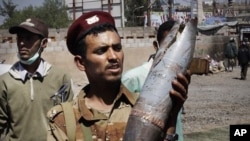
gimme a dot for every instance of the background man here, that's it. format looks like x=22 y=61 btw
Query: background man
x=230 y=53
x=134 y=79
x=243 y=58
x=27 y=90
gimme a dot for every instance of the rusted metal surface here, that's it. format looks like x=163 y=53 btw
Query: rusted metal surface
x=148 y=118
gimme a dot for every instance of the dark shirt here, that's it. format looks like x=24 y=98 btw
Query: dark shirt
x=243 y=54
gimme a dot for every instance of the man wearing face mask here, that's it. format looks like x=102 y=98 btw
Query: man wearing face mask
x=31 y=87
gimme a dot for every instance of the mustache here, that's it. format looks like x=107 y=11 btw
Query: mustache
x=113 y=64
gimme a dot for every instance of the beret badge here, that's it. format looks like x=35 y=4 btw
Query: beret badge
x=92 y=19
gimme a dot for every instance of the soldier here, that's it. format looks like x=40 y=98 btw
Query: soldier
x=102 y=108
x=29 y=89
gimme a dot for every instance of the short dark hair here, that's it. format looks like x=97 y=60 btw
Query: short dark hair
x=166 y=26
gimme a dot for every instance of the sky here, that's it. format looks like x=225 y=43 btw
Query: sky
x=24 y=3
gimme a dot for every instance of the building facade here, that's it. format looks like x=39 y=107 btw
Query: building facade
x=115 y=7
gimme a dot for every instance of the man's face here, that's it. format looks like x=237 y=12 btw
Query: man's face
x=28 y=44
x=104 y=57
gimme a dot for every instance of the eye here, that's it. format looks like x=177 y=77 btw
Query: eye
x=25 y=37
x=19 y=37
x=101 y=50
x=117 y=47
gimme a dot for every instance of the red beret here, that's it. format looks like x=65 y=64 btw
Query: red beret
x=85 y=23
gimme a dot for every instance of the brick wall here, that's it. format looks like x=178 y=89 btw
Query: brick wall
x=130 y=37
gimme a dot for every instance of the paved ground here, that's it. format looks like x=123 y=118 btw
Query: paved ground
x=216 y=101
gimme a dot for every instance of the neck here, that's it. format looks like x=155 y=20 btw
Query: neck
x=102 y=96
x=33 y=67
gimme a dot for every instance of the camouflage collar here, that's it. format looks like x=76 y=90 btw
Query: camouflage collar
x=124 y=96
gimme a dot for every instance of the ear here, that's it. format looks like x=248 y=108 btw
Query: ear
x=44 y=42
x=156 y=45
x=79 y=63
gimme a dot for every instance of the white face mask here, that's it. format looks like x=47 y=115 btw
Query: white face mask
x=32 y=59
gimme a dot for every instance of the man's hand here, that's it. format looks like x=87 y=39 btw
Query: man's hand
x=178 y=95
x=180 y=91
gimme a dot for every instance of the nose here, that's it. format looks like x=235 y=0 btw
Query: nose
x=112 y=55
x=21 y=43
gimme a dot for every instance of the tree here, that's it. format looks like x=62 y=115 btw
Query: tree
x=8 y=8
x=52 y=12
x=130 y=7
x=19 y=16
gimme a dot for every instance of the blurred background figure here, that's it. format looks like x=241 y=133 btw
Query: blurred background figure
x=230 y=53
x=243 y=58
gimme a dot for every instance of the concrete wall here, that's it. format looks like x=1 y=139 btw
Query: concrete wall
x=133 y=37
x=133 y=57
x=212 y=45
x=130 y=37
x=137 y=46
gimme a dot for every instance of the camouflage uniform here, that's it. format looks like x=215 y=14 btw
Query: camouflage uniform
x=102 y=126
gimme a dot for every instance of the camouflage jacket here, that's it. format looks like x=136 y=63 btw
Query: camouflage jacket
x=91 y=124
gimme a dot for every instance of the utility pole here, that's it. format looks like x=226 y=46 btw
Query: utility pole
x=215 y=11
x=231 y=7
x=82 y=7
x=109 y=6
x=148 y=13
x=170 y=7
x=74 y=10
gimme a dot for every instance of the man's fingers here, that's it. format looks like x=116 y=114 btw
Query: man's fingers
x=178 y=97
x=179 y=88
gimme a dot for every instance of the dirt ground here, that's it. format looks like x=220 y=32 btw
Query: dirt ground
x=217 y=100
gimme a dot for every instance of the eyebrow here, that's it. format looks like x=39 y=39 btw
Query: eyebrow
x=112 y=45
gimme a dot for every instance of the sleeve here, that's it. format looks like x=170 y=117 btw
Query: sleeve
x=131 y=83
x=55 y=133
x=248 y=53
x=56 y=120
x=235 y=50
x=69 y=94
x=3 y=111
x=225 y=49
x=238 y=56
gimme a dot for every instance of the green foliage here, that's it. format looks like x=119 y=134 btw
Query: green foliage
x=157 y=6
x=19 y=16
x=130 y=6
x=131 y=10
x=52 y=12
